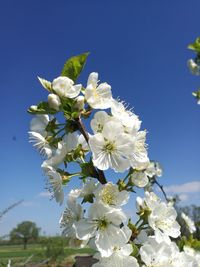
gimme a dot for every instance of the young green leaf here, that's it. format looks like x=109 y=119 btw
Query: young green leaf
x=74 y=66
x=195 y=46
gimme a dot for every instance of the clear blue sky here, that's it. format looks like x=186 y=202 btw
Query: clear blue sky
x=139 y=47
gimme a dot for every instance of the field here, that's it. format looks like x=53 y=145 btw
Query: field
x=34 y=255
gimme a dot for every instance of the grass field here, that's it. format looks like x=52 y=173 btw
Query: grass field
x=19 y=256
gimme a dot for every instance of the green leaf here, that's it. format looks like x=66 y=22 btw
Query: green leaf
x=195 y=46
x=46 y=84
x=42 y=108
x=74 y=66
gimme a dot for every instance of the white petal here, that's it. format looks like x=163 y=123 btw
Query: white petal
x=93 y=79
x=84 y=229
x=73 y=91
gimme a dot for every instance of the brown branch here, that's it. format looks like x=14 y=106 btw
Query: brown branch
x=101 y=177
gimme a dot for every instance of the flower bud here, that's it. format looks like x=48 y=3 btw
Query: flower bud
x=54 y=101
x=139 y=203
x=33 y=107
x=194 y=67
x=80 y=102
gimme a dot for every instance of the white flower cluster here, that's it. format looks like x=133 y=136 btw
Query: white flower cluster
x=194 y=67
x=116 y=143
x=164 y=254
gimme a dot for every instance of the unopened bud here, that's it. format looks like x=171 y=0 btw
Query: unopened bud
x=33 y=107
x=139 y=203
x=54 y=101
x=80 y=102
x=194 y=67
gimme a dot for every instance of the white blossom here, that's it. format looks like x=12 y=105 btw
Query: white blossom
x=55 y=184
x=109 y=194
x=184 y=260
x=88 y=188
x=194 y=67
x=39 y=123
x=154 y=169
x=155 y=254
x=103 y=224
x=98 y=96
x=149 y=201
x=72 y=213
x=119 y=258
x=194 y=254
x=162 y=217
x=139 y=157
x=64 y=87
x=189 y=223
x=163 y=220
x=129 y=120
x=40 y=142
x=139 y=178
x=69 y=143
x=99 y=120
x=111 y=148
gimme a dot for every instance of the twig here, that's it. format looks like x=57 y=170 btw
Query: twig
x=161 y=188
x=2 y=213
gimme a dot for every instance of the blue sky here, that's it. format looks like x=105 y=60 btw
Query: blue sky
x=139 y=47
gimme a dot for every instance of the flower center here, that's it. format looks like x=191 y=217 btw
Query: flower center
x=109 y=147
x=109 y=194
x=102 y=224
x=162 y=224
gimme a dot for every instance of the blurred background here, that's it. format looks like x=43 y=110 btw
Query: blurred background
x=139 y=47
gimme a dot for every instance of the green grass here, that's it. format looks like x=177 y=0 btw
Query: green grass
x=18 y=255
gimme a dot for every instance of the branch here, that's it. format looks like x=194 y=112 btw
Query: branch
x=161 y=188
x=2 y=213
x=82 y=129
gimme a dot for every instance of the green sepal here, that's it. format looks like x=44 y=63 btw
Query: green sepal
x=135 y=251
x=42 y=108
x=196 y=94
x=74 y=66
x=52 y=126
x=88 y=170
x=88 y=198
x=75 y=154
x=68 y=108
x=54 y=141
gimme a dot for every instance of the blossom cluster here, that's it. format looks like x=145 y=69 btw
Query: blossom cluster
x=194 y=65
x=94 y=214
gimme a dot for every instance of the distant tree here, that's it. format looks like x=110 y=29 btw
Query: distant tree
x=25 y=231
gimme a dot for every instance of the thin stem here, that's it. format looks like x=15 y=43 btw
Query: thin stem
x=126 y=177
x=101 y=176
x=161 y=188
x=59 y=131
x=75 y=174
